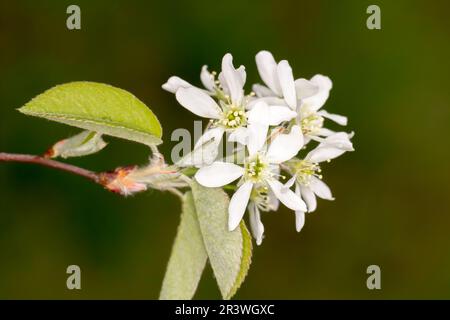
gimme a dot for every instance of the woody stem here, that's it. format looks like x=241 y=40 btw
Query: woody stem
x=33 y=159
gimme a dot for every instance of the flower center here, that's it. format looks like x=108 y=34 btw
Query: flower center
x=311 y=123
x=255 y=169
x=304 y=170
x=233 y=118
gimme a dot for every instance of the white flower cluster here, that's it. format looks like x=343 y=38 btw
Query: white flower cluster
x=269 y=126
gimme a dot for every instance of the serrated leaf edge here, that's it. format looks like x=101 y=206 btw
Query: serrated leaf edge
x=246 y=260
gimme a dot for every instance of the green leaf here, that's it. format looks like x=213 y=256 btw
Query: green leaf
x=188 y=257
x=82 y=144
x=98 y=107
x=229 y=252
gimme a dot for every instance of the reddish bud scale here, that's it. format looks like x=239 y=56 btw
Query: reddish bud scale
x=118 y=181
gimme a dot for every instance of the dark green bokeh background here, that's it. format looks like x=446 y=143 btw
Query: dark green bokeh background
x=392 y=206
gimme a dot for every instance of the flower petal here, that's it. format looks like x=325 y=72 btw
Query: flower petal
x=325 y=132
x=334 y=117
x=271 y=101
x=207 y=79
x=198 y=102
x=242 y=73
x=259 y=113
x=262 y=91
x=309 y=197
x=223 y=83
x=218 y=174
x=255 y=223
x=205 y=150
x=174 y=83
x=305 y=88
x=238 y=204
x=322 y=81
x=278 y=114
x=285 y=146
x=286 y=79
x=239 y=135
x=213 y=133
x=299 y=214
x=320 y=189
x=233 y=79
x=286 y=196
x=318 y=100
x=324 y=153
x=299 y=220
x=273 y=202
x=290 y=182
x=340 y=140
x=267 y=68
x=257 y=135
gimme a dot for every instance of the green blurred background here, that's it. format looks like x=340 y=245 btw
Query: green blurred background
x=392 y=203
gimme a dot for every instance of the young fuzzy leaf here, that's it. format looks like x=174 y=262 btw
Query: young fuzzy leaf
x=188 y=257
x=82 y=144
x=97 y=107
x=229 y=252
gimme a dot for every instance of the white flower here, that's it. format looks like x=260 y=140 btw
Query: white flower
x=308 y=184
x=282 y=102
x=228 y=114
x=310 y=115
x=260 y=169
x=306 y=97
x=306 y=173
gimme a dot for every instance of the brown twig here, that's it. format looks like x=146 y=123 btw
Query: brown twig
x=119 y=181
x=26 y=158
